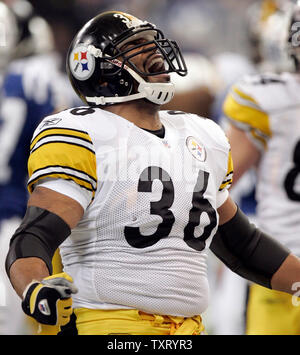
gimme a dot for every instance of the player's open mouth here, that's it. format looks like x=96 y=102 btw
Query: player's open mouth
x=155 y=64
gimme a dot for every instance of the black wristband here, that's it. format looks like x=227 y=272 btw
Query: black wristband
x=39 y=235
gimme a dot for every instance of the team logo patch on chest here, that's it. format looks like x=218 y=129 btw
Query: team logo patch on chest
x=82 y=63
x=196 y=149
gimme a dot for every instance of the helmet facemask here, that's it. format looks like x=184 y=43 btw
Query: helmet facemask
x=156 y=42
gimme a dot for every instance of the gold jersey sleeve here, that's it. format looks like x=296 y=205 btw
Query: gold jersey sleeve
x=63 y=153
x=245 y=112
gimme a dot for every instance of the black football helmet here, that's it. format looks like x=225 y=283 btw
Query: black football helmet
x=102 y=73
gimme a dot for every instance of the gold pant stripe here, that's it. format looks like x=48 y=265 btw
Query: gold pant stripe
x=134 y=322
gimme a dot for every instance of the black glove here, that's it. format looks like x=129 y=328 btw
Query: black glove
x=49 y=301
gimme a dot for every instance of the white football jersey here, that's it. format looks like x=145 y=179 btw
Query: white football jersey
x=267 y=107
x=150 y=205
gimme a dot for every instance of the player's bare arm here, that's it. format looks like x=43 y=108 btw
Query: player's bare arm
x=24 y=270
x=65 y=207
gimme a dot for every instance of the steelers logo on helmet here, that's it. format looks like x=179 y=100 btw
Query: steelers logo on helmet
x=81 y=62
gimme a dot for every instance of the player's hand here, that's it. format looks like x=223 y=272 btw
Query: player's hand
x=49 y=301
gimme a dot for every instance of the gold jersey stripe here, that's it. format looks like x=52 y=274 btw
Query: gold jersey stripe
x=228 y=179
x=68 y=156
x=61 y=141
x=58 y=153
x=61 y=132
x=226 y=184
x=268 y=8
x=229 y=164
x=243 y=95
x=65 y=169
x=259 y=138
x=84 y=184
x=250 y=116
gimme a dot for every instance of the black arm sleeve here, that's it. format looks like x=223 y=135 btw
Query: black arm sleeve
x=39 y=235
x=248 y=251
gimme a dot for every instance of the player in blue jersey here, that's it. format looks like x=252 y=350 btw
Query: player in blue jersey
x=32 y=88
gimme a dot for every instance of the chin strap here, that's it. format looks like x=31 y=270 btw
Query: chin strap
x=103 y=100
x=158 y=93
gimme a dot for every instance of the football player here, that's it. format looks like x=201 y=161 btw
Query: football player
x=32 y=88
x=264 y=133
x=133 y=196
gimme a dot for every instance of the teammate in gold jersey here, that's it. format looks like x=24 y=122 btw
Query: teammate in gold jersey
x=264 y=133
x=133 y=196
